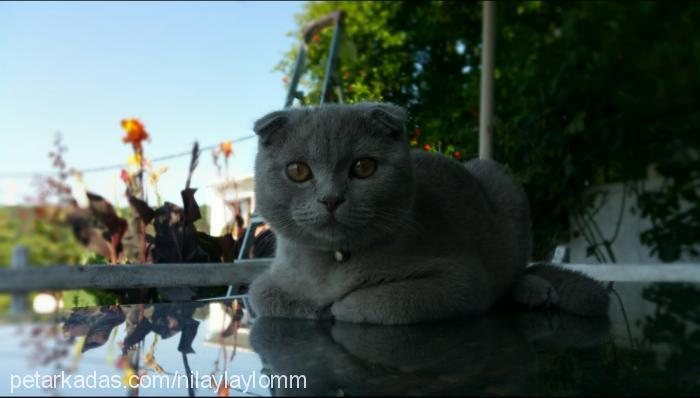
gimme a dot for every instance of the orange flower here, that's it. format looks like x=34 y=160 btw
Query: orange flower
x=223 y=390
x=226 y=148
x=285 y=80
x=150 y=361
x=316 y=38
x=427 y=147
x=135 y=132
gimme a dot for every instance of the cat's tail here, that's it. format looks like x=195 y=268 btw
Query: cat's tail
x=546 y=285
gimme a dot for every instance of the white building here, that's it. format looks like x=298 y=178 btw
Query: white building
x=223 y=196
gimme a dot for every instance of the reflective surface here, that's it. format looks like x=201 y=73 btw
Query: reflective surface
x=648 y=346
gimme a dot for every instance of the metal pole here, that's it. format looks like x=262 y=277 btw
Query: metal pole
x=295 y=77
x=20 y=261
x=329 y=77
x=488 y=43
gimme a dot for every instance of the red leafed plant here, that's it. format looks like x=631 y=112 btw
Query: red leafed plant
x=174 y=238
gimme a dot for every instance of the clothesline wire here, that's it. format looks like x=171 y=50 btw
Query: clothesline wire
x=97 y=169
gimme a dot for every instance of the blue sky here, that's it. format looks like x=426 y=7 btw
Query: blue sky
x=190 y=71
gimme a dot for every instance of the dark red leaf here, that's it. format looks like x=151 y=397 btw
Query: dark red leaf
x=145 y=212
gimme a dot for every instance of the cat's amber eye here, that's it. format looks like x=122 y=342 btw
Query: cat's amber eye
x=298 y=171
x=363 y=168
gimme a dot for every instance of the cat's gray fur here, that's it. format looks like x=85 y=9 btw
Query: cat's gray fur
x=427 y=237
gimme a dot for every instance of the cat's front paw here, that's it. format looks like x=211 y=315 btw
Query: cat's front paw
x=354 y=308
x=269 y=300
x=533 y=291
x=347 y=311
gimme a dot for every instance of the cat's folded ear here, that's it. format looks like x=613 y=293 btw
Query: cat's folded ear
x=269 y=125
x=389 y=117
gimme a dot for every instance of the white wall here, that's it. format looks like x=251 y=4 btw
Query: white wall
x=628 y=250
x=627 y=247
x=221 y=214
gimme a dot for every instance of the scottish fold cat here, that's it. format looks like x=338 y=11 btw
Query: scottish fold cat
x=370 y=231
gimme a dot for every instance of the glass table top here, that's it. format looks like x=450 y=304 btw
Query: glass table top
x=649 y=345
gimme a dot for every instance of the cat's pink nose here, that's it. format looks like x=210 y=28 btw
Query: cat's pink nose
x=332 y=202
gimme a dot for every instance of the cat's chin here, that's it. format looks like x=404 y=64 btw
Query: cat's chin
x=332 y=234
x=332 y=238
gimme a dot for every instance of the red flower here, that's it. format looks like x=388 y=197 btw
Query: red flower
x=416 y=132
x=124 y=176
x=458 y=155
x=346 y=75
x=120 y=362
x=427 y=147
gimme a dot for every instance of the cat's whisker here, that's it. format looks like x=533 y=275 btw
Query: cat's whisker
x=392 y=221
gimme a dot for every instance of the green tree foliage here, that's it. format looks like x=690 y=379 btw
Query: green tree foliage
x=40 y=229
x=586 y=93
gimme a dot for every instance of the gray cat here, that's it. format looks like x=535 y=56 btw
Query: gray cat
x=371 y=231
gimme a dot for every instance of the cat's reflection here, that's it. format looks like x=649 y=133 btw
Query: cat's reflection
x=490 y=355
